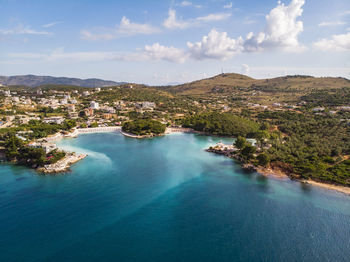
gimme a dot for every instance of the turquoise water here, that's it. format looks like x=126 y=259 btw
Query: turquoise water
x=165 y=199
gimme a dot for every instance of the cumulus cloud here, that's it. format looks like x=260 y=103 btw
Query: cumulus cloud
x=245 y=69
x=124 y=28
x=160 y=52
x=129 y=28
x=217 y=45
x=335 y=43
x=172 y=22
x=281 y=31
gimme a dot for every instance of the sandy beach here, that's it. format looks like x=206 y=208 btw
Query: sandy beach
x=281 y=175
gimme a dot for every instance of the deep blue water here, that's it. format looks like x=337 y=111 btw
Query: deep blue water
x=165 y=199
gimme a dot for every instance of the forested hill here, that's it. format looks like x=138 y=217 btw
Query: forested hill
x=228 y=83
x=34 y=81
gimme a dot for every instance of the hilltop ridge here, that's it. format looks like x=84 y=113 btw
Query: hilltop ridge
x=34 y=81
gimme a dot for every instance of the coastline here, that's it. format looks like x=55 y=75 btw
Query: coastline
x=71 y=158
x=63 y=164
x=280 y=174
x=131 y=135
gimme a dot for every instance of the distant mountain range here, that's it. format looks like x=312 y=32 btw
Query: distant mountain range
x=34 y=81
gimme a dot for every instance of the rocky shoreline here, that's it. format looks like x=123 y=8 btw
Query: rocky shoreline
x=62 y=165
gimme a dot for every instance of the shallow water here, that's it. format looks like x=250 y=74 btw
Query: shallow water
x=165 y=199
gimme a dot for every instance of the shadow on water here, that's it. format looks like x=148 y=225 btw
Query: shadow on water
x=305 y=188
x=263 y=183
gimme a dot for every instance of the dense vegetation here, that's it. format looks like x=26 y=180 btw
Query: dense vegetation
x=144 y=127
x=222 y=124
x=312 y=146
x=333 y=97
x=16 y=150
x=37 y=129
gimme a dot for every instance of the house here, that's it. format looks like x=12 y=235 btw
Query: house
x=88 y=111
x=94 y=105
x=53 y=120
x=145 y=105
x=318 y=109
x=71 y=108
x=48 y=147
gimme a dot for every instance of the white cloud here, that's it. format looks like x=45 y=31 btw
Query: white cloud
x=345 y=13
x=334 y=23
x=281 y=31
x=228 y=5
x=172 y=22
x=159 y=52
x=216 y=45
x=128 y=28
x=59 y=54
x=155 y=52
x=336 y=43
x=23 y=30
x=52 y=24
x=188 y=3
x=125 y=28
x=213 y=17
x=245 y=69
x=101 y=35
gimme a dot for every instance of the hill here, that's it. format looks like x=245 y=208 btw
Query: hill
x=34 y=81
x=229 y=83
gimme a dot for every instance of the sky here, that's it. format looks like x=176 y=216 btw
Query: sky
x=166 y=42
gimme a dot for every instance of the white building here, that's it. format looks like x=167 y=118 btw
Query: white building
x=94 y=105
x=318 y=109
x=146 y=105
x=71 y=108
x=54 y=120
x=48 y=147
x=86 y=93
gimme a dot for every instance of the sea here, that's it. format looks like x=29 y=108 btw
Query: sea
x=165 y=199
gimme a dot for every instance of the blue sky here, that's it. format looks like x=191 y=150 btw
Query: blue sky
x=160 y=42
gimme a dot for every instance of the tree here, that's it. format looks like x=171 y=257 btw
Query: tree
x=240 y=142
x=12 y=146
x=248 y=151
x=263 y=159
x=69 y=124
